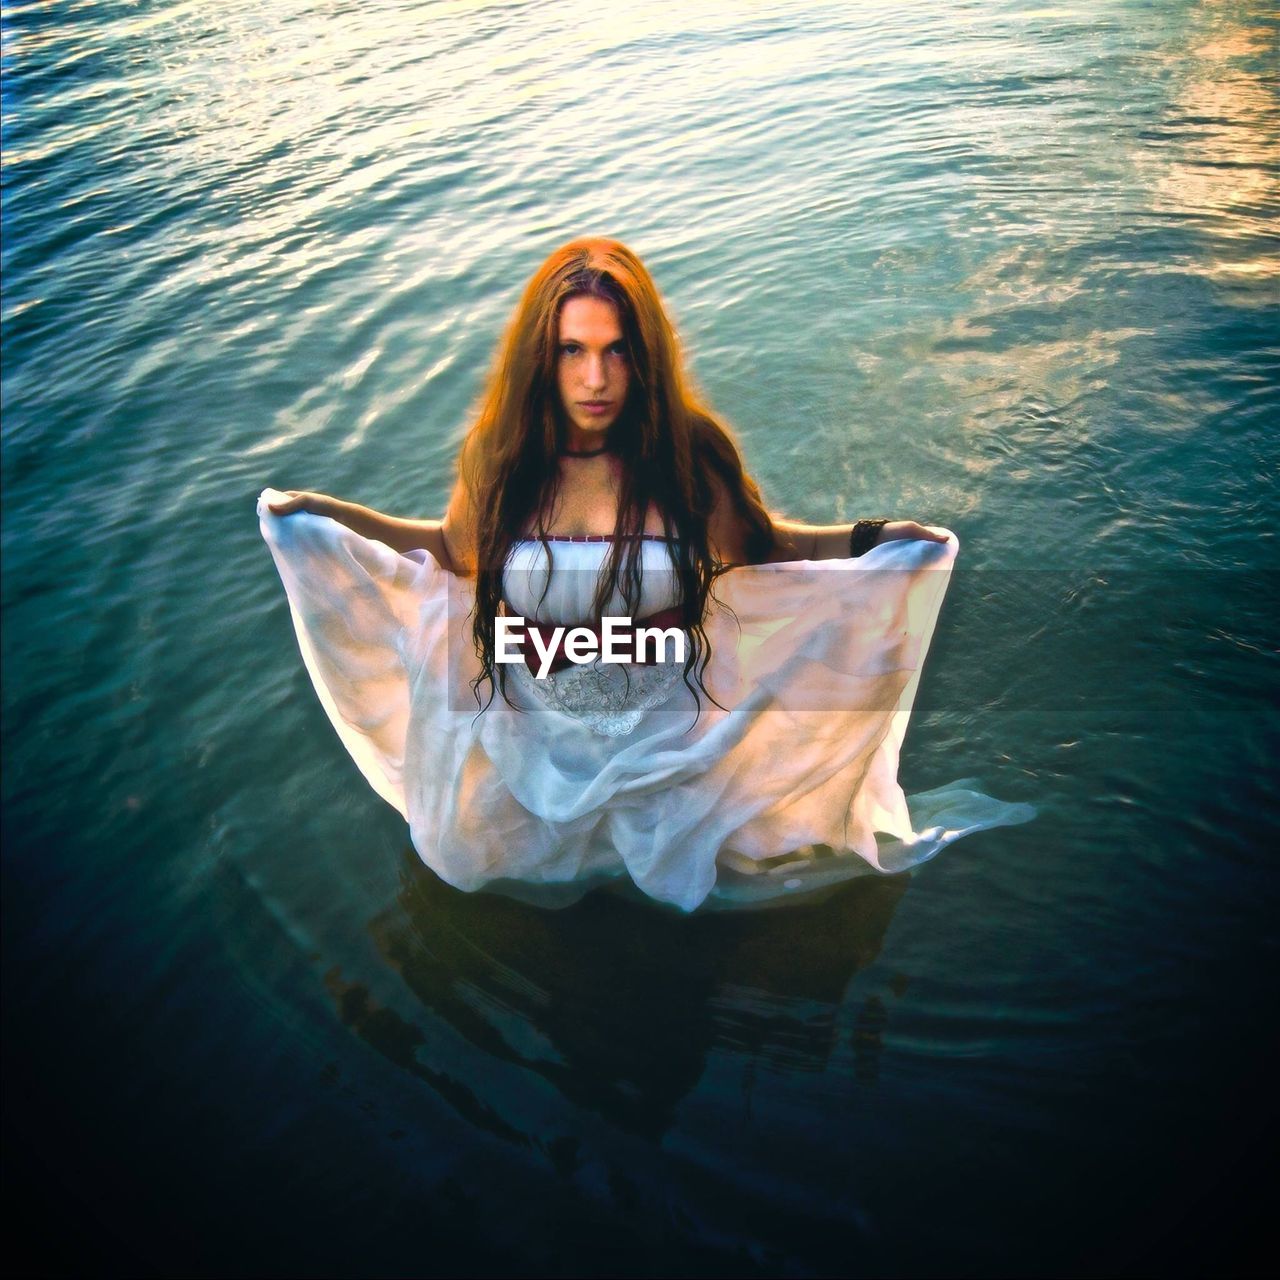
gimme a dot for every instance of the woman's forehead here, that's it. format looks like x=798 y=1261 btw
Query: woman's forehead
x=586 y=315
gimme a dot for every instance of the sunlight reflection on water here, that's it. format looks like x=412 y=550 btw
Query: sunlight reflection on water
x=1009 y=270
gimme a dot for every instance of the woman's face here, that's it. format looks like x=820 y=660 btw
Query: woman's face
x=592 y=369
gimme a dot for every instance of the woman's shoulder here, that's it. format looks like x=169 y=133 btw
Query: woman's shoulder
x=713 y=445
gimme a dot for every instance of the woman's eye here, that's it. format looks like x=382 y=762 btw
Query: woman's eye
x=576 y=349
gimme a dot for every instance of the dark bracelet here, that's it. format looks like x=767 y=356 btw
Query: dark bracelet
x=863 y=535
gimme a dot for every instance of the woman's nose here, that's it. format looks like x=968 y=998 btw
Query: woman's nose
x=593 y=374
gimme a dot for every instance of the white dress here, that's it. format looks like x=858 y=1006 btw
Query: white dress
x=616 y=773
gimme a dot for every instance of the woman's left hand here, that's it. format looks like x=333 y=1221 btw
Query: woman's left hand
x=897 y=530
x=292 y=500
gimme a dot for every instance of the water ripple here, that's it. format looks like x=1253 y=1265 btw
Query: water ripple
x=1012 y=271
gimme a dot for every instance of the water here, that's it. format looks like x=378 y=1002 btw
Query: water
x=1006 y=268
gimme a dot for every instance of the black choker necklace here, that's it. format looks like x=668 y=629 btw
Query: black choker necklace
x=584 y=453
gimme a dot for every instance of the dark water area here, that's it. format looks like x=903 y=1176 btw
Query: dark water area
x=1010 y=269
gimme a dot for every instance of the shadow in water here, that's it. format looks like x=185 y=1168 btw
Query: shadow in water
x=616 y=1002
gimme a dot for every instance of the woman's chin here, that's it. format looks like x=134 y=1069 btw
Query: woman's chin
x=589 y=435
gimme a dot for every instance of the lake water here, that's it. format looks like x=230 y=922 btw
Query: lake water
x=1007 y=268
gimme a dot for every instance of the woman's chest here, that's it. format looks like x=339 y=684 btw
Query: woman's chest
x=587 y=503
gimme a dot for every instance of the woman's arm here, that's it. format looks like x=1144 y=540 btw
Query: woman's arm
x=399 y=534
x=836 y=542
x=797 y=541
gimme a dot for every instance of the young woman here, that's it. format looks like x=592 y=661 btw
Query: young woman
x=593 y=484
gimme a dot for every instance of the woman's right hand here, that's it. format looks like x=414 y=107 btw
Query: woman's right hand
x=302 y=500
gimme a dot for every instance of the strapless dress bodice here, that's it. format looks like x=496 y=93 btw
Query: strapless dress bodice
x=557 y=583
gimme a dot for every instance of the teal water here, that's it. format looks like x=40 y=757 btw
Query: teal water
x=1007 y=268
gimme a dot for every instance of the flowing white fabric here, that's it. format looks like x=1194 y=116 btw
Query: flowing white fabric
x=787 y=787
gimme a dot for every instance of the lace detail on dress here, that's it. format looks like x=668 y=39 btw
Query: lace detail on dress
x=610 y=698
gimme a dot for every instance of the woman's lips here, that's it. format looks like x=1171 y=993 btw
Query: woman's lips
x=596 y=406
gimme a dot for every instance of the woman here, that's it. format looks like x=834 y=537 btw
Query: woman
x=594 y=484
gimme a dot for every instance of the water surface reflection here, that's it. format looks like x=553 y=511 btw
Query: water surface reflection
x=615 y=1003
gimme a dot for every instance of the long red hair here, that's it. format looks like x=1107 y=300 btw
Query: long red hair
x=669 y=444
